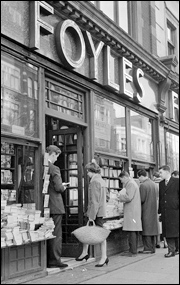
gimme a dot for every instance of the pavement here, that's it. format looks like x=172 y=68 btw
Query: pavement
x=121 y=269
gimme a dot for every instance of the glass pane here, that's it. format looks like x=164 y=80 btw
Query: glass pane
x=17 y=173
x=175 y=99
x=109 y=122
x=8 y=191
x=107 y=7
x=141 y=137
x=64 y=100
x=19 y=97
x=26 y=171
x=172 y=151
x=123 y=15
x=169 y=33
x=170 y=49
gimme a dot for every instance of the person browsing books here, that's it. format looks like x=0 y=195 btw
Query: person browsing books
x=56 y=205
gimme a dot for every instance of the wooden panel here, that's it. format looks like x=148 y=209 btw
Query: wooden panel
x=2 y=265
x=23 y=263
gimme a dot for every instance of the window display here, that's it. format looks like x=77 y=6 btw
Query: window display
x=110 y=170
x=109 y=127
x=17 y=173
x=8 y=193
x=141 y=137
x=19 y=97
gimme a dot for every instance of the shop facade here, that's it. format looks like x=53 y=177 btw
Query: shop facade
x=71 y=79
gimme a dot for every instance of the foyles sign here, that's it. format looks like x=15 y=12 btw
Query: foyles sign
x=68 y=33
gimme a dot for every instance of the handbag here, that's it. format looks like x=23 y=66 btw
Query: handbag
x=91 y=234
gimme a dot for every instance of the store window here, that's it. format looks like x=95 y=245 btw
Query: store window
x=18 y=97
x=30 y=87
x=141 y=137
x=64 y=99
x=172 y=143
x=17 y=173
x=109 y=127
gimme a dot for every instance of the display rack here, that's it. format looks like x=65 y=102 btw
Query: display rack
x=8 y=173
x=110 y=170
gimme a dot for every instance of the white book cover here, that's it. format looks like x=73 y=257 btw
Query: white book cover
x=46 y=201
x=45 y=186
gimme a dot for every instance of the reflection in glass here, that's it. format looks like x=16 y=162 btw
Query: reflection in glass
x=59 y=98
x=109 y=122
x=172 y=142
x=141 y=137
x=19 y=97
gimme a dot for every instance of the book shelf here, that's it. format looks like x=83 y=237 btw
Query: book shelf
x=8 y=173
x=110 y=170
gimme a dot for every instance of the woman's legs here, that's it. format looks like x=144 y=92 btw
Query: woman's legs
x=103 y=246
x=85 y=250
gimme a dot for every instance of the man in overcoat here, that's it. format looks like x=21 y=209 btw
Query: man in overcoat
x=132 y=211
x=169 y=208
x=149 y=212
x=56 y=205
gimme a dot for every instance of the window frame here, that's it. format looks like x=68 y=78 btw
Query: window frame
x=116 y=14
x=171 y=43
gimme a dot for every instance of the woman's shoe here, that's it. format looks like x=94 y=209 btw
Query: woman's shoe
x=106 y=262
x=80 y=259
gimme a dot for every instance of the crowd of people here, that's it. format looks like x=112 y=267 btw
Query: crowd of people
x=151 y=209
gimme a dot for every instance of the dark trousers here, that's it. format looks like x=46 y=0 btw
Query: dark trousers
x=133 y=241
x=149 y=243
x=177 y=244
x=173 y=244
x=54 y=246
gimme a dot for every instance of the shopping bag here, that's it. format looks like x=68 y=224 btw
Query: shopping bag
x=91 y=234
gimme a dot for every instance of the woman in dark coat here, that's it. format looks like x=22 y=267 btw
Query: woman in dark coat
x=169 y=208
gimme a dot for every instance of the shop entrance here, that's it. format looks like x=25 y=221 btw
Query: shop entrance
x=69 y=139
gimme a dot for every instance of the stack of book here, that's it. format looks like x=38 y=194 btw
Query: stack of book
x=7 y=235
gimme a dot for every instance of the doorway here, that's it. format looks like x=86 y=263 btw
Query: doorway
x=69 y=138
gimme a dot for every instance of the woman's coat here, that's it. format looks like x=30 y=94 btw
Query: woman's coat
x=96 y=197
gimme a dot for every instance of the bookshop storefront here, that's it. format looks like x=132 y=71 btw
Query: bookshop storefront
x=62 y=86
